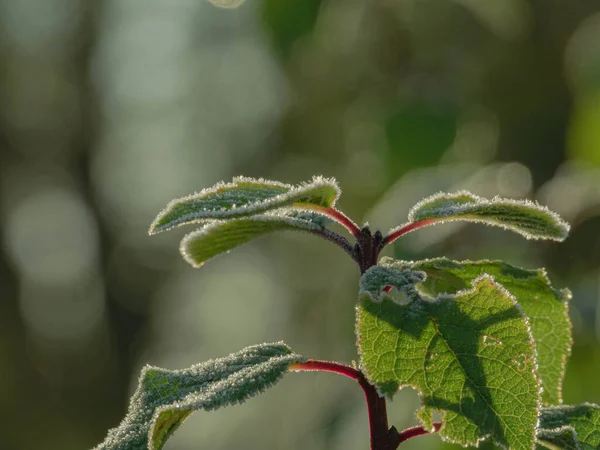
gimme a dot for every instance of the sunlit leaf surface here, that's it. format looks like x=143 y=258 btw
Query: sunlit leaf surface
x=470 y=355
x=545 y=307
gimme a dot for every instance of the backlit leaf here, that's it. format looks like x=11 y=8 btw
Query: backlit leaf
x=245 y=197
x=570 y=427
x=522 y=216
x=470 y=355
x=165 y=398
x=221 y=236
x=545 y=306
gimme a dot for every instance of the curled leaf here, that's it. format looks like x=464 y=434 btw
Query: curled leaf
x=376 y=282
x=245 y=197
x=165 y=398
x=221 y=236
x=521 y=216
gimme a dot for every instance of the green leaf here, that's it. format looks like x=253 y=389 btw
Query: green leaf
x=470 y=355
x=401 y=279
x=524 y=217
x=221 y=236
x=570 y=427
x=165 y=398
x=245 y=197
x=546 y=307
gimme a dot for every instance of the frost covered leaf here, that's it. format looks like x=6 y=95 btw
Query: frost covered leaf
x=545 y=306
x=402 y=280
x=570 y=427
x=470 y=355
x=524 y=217
x=165 y=398
x=245 y=197
x=221 y=236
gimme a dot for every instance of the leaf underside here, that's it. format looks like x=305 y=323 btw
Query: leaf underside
x=221 y=236
x=524 y=217
x=545 y=307
x=470 y=355
x=245 y=197
x=165 y=398
x=570 y=427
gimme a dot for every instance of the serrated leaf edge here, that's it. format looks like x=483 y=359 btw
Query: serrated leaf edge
x=564 y=293
x=249 y=210
x=441 y=297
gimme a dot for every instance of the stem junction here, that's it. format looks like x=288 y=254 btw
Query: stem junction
x=365 y=252
x=382 y=437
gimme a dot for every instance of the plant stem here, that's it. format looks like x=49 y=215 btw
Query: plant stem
x=407 y=229
x=338 y=240
x=381 y=435
x=367 y=248
x=366 y=252
x=339 y=217
x=416 y=431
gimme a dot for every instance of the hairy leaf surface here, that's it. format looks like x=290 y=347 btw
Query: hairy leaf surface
x=245 y=197
x=545 y=306
x=221 y=236
x=524 y=217
x=401 y=279
x=165 y=398
x=570 y=427
x=470 y=355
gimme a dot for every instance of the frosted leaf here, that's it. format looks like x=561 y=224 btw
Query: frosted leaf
x=221 y=236
x=570 y=427
x=522 y=216
x=310 y=216
x=438 y=347
x=374 y=281
x=245 y=197
x=546 y=308
x=165 y=398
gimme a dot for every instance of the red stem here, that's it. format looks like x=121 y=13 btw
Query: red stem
x=407 y=229
x=416 y=431
x=339 y=217
x=381 y=435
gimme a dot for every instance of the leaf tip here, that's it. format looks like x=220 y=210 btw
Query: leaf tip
x=153 y=230
x=186 y=251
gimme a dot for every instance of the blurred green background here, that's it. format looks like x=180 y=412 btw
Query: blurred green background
x=109 y=109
